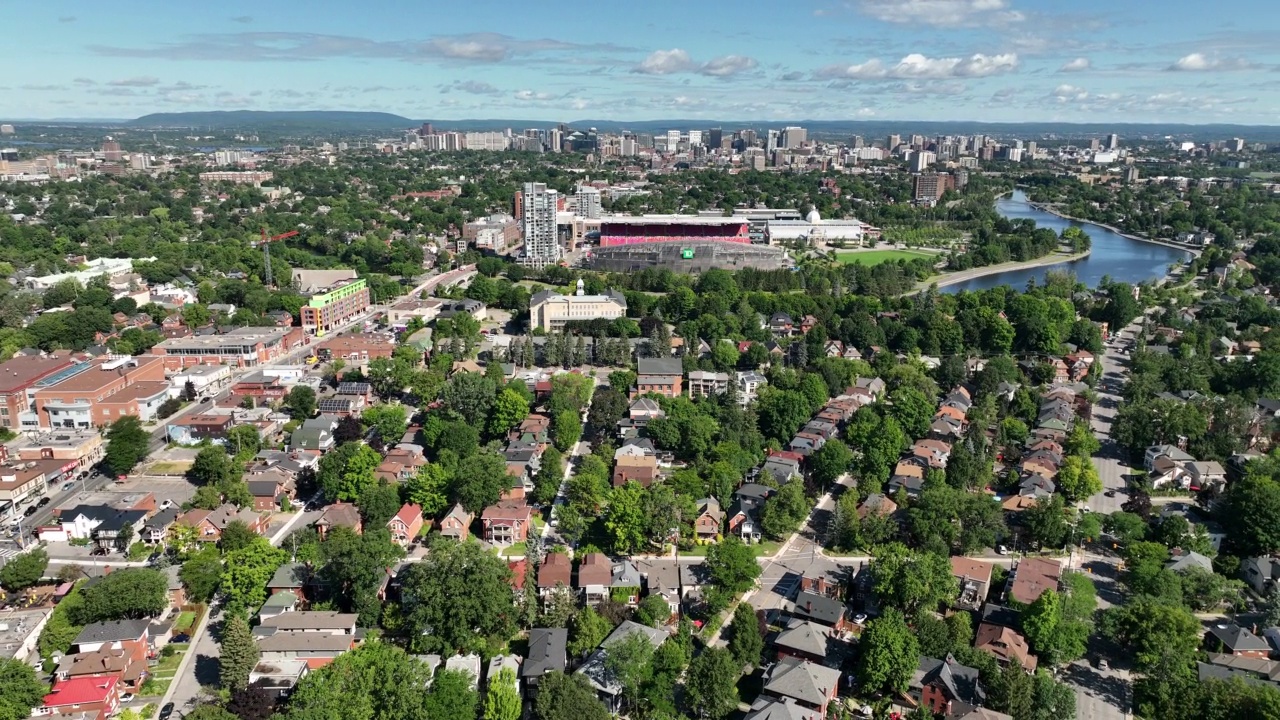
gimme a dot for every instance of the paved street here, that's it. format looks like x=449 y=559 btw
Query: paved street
x=1110 y=460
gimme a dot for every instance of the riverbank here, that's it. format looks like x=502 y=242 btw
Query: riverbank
x=960 y=276
x=1139 y=238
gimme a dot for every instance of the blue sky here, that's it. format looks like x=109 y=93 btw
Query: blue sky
x=991 y=60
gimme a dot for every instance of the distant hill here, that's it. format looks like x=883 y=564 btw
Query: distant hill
x=319 y=120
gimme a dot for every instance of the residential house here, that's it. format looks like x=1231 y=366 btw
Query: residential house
x=1231 y=639
x=663 y=577
x=945 y=687
x=132 y=636
x=804 y=640
x=641 y=468
x=663 y=376
x=877 y=505
x=1184 y=560
x=706 y=526
x=158 y=525
x=783 y=466
x=293 y=578
x=555 y=571
x=406 y=525
x=596 y=670
x=595 y=575
x=1006 y=644
x=320 y=622
x=456 y=523
x=703 y=383
x=781 y=323
x=1255 y=671
x=534 y=429
x=340 y=514
x=507 y=522
x=1261 y=573
x=209 y=524
x=625 y=583
x=810 y=685
x=769 y=708
x=974 y=580
x=270 y=488
x=88 y=697
x=546 y=654
x=1172 y=452
x=128 y=668
x=1206 y=475
x=822 y=609
x=875 y=386
x=1031 y=577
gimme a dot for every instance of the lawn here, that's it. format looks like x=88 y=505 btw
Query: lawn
x=184 y=622
x=169 y=468
x=517 y=549
x=764 y=548
x=875 y=257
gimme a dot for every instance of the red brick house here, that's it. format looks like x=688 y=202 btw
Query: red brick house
x=507 y=522
x=640 y=468
x=556 y=570
x=209 y=524
x=88 y=696
x=406 y=524
x=707 y=525
x=457 y=523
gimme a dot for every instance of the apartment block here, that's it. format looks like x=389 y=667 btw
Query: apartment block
x=327 y=310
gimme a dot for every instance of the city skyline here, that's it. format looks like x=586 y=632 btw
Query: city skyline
x=911 y=60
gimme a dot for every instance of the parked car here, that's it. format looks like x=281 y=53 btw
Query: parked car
x=68 y=485
x=98 y=551
x=126 y=697
x=166 y=712
x=44 y=501
x=30 y=511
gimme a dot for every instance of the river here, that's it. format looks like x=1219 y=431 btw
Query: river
x=1124 y=259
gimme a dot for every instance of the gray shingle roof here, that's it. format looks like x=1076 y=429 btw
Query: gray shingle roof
x=546 y=651
x=802 y=680
x=112 y=631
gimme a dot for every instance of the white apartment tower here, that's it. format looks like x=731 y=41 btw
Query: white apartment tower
x=541 y=247
x=793 y=137
x=588 y=201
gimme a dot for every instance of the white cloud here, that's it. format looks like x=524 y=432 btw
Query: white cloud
x=942 y=13
x=1069 y=93
x=1199 y=62
x=473 y=87
x=531 y=96
x=917 y=67
x=666 y=62
x=728 y=65
x=144 y=81
x=1079 y=64
x=675 y=60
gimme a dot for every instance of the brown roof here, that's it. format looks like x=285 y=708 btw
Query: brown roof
x=556 y=569
x=21 y=372
x=1032 y=577
x=340 y=514
x=963 y=567
x=96 y=378
x=595 y=569
x=508 y=511
x=1006 y=644
x=909 y=469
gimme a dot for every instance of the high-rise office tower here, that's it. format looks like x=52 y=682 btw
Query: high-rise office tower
x=1113 y=141
x=538 y=205
x=793 y=137
x=715 y=138
x=772 y=144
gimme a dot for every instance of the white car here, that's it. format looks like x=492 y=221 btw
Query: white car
x=860 y=619
x=1002 y=550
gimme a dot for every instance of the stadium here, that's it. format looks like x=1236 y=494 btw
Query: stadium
x=681 y=243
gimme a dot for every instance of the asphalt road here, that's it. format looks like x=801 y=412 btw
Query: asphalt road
x=1111 y=459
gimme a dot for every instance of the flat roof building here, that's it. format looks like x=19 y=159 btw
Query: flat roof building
x=550 y=311
x=102 y=392
x=242 y=347
x=356 y=348
x=327 y=310
x=18 y=376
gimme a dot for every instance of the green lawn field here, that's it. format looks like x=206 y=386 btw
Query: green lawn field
x=875 y=257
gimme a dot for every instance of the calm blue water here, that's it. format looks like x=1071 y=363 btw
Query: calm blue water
x=1125 y=260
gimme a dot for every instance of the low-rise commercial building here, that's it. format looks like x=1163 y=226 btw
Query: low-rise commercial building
x=101 y=392
x=356 y=348
x=242 y=347
x=204 y=379
x=84 y=447
x=18 y=376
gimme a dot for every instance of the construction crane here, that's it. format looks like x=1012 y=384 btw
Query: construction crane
x=270 y=279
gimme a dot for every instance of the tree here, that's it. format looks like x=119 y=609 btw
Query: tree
x=254 y=702
x=461 y=595
x=625 y=519
x=912 y=409
x=889 y=654
x=783 y=513
x=1077 y=478
x=501 y=699
x=239 y=654
x=127 y=445
x=356 y=567
x=389 y=421
x=1250 y=510
x=344 y=474
x=1157 y=634
x=732 y=566
x=745 y=642
x=567 y=697
x=480 y=480
x=349 y=430
x=429 y=489
x=201 y=573
x=25 y=570
x=20 y=690
x=244 y=440
x=566 y=430
x=246 y=573
x=1046 y=522
x=470 y=395
x=212 y=467
x=830 y=461
x=546 y=484
x=235 y=536
x=653 y=611
x=587 y=629
x=711 y=688
x=301 y=401
x=608 y=406
x=911 y=581
x=451 y=695
x=628 y=661
x=376 y=680
x=510 y=408
x=125 y=593
x=379 y=504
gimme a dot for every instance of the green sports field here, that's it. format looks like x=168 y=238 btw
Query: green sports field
x=875 y=257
